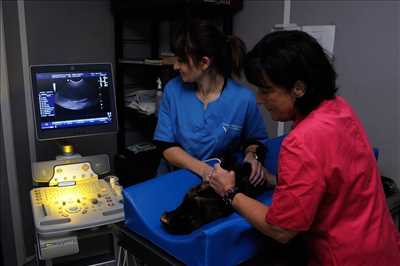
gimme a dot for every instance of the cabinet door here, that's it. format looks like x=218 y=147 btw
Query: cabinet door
x=140 y=72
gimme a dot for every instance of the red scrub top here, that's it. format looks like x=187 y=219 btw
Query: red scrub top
x=329 y=185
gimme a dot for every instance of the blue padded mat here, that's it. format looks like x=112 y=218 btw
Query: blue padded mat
x=209 y=245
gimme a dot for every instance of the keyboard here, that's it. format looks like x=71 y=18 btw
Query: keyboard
x=69 y=208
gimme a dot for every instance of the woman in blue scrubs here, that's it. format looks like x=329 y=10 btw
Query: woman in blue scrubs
x=204 y=111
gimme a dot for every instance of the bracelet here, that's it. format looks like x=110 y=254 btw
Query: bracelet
x=209 y=175
x=229 y=195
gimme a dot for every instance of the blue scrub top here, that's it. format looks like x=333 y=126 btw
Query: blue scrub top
x=206 y=132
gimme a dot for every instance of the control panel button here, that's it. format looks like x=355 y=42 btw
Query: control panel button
x=85 y=167
x=73 y=209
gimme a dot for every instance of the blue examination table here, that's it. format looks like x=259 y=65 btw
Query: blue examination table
x=226 y=241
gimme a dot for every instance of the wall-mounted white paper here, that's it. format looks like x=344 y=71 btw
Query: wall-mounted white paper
x=278 y=27
x=325 y=35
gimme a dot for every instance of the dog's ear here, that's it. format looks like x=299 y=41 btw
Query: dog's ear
x=227 y=157
x=242 y=174
x=245 y=170
x=212 y=208
x=261 y=152
x=227 y=161
x=243 y=182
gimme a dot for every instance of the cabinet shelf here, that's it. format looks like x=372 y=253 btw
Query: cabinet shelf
x=143 y=62
x=170 y=9
x=134 y=40
x=141 y=123
x=138 y=115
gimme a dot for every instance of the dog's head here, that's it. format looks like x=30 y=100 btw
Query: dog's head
x=200 y=206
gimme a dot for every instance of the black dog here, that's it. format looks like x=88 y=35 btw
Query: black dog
x=202 y=204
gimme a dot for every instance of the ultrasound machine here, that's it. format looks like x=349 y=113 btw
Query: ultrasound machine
x=72 y=193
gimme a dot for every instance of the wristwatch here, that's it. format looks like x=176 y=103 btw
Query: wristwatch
x=254 y=154
x=229 y=195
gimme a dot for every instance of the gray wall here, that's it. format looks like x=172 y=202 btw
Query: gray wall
x=367 y=59
x=7 y=244
x=62 y=32
x=367 y=45
x=255 y=20
x=18 y=119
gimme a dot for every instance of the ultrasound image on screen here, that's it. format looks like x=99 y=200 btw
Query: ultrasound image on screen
x=76 y=94
x=74 y=99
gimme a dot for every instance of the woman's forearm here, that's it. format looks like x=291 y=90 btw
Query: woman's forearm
x=255 y=212
x=180 y=158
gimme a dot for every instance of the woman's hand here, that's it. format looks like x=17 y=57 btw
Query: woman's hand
x=258 y=172
x=207 y=172
x=222 y=180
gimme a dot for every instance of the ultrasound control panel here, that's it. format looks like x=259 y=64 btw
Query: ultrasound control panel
x=77 y=199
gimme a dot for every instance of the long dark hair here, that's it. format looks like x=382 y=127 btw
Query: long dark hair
x=198 y=38
x=285 y=57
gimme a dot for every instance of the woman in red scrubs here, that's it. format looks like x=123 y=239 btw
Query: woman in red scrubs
x=329 y=187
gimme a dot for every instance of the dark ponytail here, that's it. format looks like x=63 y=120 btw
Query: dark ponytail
x=199 y=38
x=238 y=52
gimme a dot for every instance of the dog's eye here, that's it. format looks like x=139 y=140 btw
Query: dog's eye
x=164 y=218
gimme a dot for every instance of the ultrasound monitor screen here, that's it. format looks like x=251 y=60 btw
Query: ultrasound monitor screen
x=73 y=100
